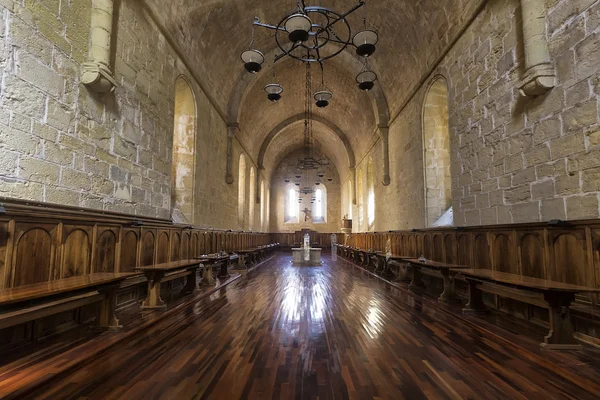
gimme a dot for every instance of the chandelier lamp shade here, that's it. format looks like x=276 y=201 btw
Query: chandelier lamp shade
x=366 y=80
x=273 y=91
x=365 y=42
x=298 y=27
x=253 y=60
x=322 y=98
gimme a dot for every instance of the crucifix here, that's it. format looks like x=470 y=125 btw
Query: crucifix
x=307 y=214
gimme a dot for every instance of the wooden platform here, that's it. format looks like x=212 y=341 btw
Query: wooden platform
x=326 y=332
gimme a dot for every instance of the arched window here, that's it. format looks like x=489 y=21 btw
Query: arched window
x=319 y=213
x=241 y=190
x=370 y=193
x=252 y=197
x=350 y=197
x=436 y=152
x=184 y=142
x=262 y=205
x=268 y=227
x=359 y=200
x=292 y=206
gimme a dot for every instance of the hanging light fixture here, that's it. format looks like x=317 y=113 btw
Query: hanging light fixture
x=323 y=95
x=252 y=58
x=365 y=40
x=366 y=78
x=298 y=27
x=273 y=90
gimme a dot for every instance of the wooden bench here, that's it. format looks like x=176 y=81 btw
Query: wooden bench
x=159 y=273
x=556 y=296
x=445 y=270
x=30 y=302
x=385 y=265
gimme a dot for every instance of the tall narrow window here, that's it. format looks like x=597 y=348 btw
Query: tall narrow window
x=360 y=200
x=320 y=205
x=350 y=197
x=241 y=190
x=262 y=205
x=436 y=154
x=292 y=206
x=184 y=142
x=268 y=227
x=370 y=193
x=252 y=198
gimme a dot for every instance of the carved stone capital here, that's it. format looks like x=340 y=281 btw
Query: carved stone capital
x=538 y=80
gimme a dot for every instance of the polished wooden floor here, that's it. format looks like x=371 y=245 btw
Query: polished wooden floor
x=330 y=332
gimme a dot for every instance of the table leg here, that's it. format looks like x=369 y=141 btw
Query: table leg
x=241 y=261
x=190 y=282
x=560 y=336
x=417 y=280
x=106 y=319
x=207 y=276
x=475 y=304
x=448 y=295
x=224 y=273
x=153 y=299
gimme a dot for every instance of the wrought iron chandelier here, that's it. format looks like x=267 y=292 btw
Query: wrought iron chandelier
x=314 y=34
x=309 y=165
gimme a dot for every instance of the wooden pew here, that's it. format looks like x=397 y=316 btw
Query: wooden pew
x=159 y=273
x=445 y=270
x=555 y=296
x=30 y=302
x=247 y=258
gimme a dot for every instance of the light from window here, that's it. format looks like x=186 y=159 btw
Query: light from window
x=319 y=204
x=371 y=207
x=292 y=204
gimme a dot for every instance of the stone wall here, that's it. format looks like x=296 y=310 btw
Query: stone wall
x=514 y=159
x=59 y=143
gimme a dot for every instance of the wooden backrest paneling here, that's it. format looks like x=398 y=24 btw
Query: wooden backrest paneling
x=33 y=256
x=76 y=252
x=129 y=251
x=175 y=246
x=106 y=251
x=531 y=252
x=503 y=256
x=162 y=247
x=569 y=258
x=147 y=255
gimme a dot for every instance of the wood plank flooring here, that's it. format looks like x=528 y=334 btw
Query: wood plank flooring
x=329 y=332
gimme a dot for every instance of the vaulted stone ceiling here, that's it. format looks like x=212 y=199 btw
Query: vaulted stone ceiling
x=212 y=33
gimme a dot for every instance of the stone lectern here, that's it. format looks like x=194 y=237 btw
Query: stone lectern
x=306 y=255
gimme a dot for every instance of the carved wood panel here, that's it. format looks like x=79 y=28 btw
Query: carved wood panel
x=76 y=251
x=129 y=251
x=105 y=255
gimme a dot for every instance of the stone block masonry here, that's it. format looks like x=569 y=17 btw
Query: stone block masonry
x=61 y=143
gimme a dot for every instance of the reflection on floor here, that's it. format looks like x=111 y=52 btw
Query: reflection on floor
x=327 y=332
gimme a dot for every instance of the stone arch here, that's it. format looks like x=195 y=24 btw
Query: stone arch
x=436 y=151
x=184 y=149
x=300 y=117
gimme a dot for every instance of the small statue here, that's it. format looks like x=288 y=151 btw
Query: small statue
x=422 y=259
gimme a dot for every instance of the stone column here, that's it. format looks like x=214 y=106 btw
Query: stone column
x=259 y=171
x=231 y=131
x=96 y=73
x=352 y=177
x=540 y=74
x=384 y=133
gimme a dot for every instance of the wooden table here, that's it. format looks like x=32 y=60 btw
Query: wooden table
x=557 y=296
x=246 y=256
x=445 y=269
x=29 y=302
x=384 y=263
x=366 y=257
x=158 y=273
